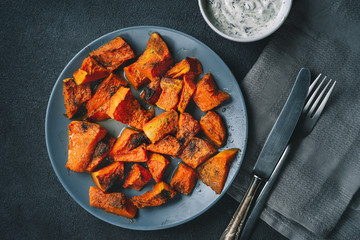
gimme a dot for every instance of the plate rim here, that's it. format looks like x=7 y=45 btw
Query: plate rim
x=47 y=140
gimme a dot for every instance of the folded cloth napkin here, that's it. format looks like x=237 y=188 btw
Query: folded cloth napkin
x=317 y=193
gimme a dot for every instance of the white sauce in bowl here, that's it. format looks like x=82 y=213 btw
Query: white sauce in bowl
x=244 y=18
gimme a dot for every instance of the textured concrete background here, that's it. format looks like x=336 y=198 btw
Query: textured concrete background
x=38 y=38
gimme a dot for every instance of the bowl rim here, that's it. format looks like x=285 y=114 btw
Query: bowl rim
x=288 y=4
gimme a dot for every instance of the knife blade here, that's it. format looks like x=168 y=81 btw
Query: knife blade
x=284 y=127
x=273 y=148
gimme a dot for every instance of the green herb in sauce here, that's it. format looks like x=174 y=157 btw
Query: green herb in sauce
x=244 y=18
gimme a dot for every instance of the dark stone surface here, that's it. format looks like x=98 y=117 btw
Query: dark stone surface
x=38 y=38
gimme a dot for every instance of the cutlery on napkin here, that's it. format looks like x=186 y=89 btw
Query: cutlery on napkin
x=317 y=194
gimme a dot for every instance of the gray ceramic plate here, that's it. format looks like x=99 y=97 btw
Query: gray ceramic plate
x=182 y=208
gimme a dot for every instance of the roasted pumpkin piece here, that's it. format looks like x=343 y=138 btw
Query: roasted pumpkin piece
x=152 y=92
x=207 y=95
x=214 y=128
x=156 y=59
x=99 y=104
x=190 y=66
x=188 y=128
x=126 y=109
x=169 y=96
x=184 y=179
x=89 y=71
x=116 y=203
x=215 y=170
x=186 y=93
x=138 y=154
x=105 y=177
x=128 y=140
x=135 y=77
x=101 y=151
x=161 y=125
x=169 y=145
x=196 y=152
x=137 y=178
x=157 y=164
x=113 y=54
x=83 y=137
x=74 y=96
x=160 y=194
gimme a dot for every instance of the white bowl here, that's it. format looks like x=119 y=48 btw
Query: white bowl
x=282 y=15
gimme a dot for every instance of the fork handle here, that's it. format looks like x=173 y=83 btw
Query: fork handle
x=234 y=228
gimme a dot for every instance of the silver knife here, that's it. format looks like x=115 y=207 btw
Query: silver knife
x=273 y=149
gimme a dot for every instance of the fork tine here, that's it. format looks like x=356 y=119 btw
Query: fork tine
x=313 y=85
x=324 y=101
x=313 y=95
x=318 y=98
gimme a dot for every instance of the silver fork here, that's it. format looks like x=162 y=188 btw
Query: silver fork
x=318 y=96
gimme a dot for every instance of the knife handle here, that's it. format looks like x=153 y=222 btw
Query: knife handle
x=263 y=197
x=234 y=228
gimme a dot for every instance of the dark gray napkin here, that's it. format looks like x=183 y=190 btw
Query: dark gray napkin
x=312 y=198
